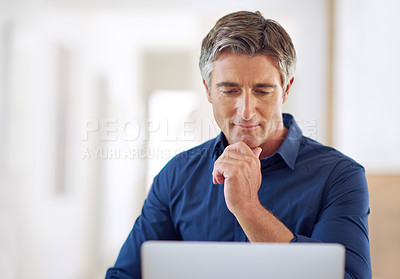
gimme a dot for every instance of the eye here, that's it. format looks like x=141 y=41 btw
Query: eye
x=230 y=91
x=263 y=92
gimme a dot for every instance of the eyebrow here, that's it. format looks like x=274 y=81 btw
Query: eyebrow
x=263 y=85
x=227 y=84
x=257 y=85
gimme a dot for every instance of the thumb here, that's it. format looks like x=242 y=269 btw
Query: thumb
x=257 y=151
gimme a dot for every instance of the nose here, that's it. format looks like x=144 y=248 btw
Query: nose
x=247 y=105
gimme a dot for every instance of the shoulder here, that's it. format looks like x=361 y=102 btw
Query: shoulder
x=193 y=155
x=336 y=167
x=188 y=161
x=325 y=155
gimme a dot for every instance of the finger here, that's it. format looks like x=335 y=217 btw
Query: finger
x=222 y=170
x=235 y=154
x=231 y=154
x=257 y=151
x=240 y=147
x=218 y=178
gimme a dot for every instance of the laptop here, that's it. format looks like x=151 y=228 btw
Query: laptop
x=240 y=260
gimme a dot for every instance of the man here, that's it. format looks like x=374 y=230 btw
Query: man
x=260 y=180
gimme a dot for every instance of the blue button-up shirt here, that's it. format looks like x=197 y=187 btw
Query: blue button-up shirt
x=317 y=192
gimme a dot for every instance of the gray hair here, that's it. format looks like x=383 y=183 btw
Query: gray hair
x=248 y=33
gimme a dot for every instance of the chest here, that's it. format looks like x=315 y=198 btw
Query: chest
x=199 y=211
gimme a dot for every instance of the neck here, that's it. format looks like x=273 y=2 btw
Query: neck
x=272 y=145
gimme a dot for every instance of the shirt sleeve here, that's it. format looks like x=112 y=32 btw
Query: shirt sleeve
x=154 y=223
x=343 y=219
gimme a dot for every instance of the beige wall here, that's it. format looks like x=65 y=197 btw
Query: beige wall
x=384 y=225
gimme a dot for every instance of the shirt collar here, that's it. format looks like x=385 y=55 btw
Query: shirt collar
x=288 y=150
x=219 y=145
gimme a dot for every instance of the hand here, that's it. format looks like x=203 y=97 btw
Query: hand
x=239 y=168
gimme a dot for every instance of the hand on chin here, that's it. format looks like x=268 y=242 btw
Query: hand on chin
x=249 y=140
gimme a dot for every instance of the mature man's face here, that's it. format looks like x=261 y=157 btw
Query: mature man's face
x=247 y=97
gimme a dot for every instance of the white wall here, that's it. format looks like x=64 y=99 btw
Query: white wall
x=367 y=96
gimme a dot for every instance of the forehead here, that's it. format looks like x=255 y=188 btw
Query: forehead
x=245 y=67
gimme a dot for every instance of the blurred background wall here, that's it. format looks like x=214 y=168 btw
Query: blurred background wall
x=96 y=96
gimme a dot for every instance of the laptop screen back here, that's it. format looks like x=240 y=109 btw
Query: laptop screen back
x=234 y=260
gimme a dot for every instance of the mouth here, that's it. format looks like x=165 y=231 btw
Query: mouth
x=247 y=126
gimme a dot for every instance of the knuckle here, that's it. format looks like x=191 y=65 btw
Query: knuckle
x=248 y=160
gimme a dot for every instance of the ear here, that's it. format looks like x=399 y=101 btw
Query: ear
x=207 y=91
x=286 y=93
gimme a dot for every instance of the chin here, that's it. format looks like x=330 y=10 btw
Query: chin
x=252 y=144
